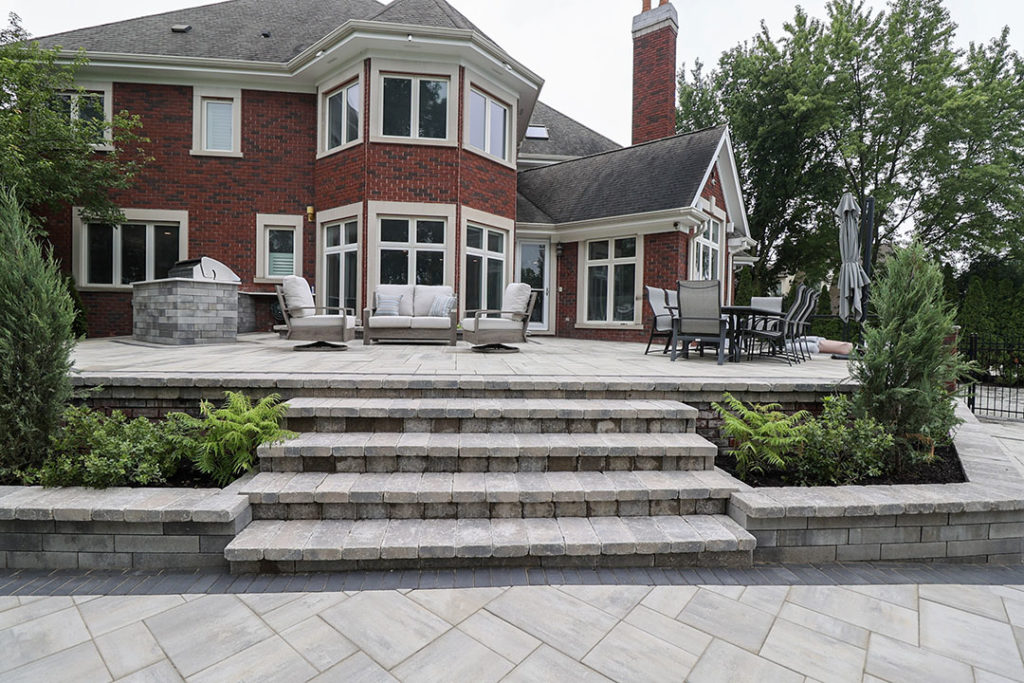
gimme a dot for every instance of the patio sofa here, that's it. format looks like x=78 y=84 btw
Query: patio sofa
x=413 y=320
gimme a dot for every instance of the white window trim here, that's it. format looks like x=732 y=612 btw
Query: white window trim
x=494 y=92
x=483 y=219
x=198 y=119
x=411 y=210
x=324 y=92
x=79 y=247
x=266 y=221
x=107 y=88
x=382 y=68
x=581 y=285
x=333 y=216
x=699 y=241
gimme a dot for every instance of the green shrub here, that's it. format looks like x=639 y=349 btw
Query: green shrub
x=36 y=340
x=762 y=434
x=838 y=449
x=91 y=449
x=907 y=368
x=232 y=433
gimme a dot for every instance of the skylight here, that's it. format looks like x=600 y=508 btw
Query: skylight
x=537 y=132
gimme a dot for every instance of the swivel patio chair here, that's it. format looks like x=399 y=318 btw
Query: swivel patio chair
x=661 y=326
x=700 y=317
x=306 y=321
x=490 y=334
x=777 y=337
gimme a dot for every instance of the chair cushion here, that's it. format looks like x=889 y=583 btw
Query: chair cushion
x=390 y=322
x=405 y=291
x=320 y=321
x=425 y=295
x=388 y=304
x=516 y=298
x=469 y=324
x=297 y=295
x=442 y=306
x=429 y=322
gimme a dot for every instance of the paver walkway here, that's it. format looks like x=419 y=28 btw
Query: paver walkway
x=882 y=623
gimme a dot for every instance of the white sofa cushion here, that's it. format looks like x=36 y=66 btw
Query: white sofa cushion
x=516 y=298
x=469 y=324
x=405 y=291
x=426 y=322
x=425 y=295
x=390 y=322
x=297 y=295
x=320 y=321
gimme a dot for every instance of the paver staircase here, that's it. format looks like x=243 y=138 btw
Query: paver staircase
x=413 y=482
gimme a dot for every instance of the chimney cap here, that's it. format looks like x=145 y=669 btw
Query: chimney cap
x=653 y=19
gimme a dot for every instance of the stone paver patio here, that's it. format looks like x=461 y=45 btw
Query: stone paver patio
x=765 y=624
x=542 y=356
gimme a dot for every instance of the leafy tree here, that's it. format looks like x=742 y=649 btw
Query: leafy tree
x=46 y=153
x=880 y=104
x=36 y=339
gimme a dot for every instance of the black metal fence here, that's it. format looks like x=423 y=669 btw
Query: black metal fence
x=998 y=390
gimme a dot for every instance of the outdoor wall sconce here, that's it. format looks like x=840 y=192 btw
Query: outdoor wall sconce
x=310 y=213
x=558 y=249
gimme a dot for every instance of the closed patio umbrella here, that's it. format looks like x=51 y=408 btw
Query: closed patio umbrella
x=852 y=277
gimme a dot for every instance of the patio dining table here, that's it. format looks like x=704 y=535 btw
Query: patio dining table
x=738 y=315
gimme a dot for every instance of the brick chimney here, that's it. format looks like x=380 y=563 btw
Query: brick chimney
x=654 y=72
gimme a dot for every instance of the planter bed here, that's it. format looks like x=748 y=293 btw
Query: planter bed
x=119 y=528
x=981 y=520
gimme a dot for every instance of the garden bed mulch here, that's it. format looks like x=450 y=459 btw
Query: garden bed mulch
x=945 y=469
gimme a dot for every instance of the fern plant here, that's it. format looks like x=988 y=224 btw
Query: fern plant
x=763 y=434
x=232 y=434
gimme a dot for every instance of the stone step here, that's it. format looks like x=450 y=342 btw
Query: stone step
x=340 y=545
x=472 y=415
x=488 y=495
x=477 y=452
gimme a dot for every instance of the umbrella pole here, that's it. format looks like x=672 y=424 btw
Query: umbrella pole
x=867 y=231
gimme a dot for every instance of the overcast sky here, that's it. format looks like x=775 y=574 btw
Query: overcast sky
x=582 y=48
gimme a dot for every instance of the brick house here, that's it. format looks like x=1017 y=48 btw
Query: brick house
x=356 y=143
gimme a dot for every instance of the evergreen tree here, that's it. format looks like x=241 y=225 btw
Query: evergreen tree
x=36 y=340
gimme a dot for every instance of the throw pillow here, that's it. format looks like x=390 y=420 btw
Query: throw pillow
x=442 y=306
x=388 y=304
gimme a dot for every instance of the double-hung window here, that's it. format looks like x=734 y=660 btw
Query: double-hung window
x=488 y=125
x=341 y=254
x=412 y=251
x=485 y=267
x=342 y=116
x=610 y=277
x=132 y=252
x=217 y=122
x=90 y=108
x=415 y=107
x=707 y=252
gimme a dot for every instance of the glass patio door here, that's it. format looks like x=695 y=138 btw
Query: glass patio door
x=534 y=270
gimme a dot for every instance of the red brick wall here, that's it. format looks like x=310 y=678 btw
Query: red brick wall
x=488 y=185
x=654 y=85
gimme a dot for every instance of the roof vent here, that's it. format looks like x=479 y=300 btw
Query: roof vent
x=265 y=34
x=181 y=28
x=537 y=132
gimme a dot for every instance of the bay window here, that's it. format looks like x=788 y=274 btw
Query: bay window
x=485 y=267
x=610 y=272
x=342 y=116
x=341 y=254
x=415 y=107
x=488 y=125
x=412 y=251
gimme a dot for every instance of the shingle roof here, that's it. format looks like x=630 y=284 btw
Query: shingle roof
x=233 y=29
x=663 y=174
x=567 y=137
x=527 y=212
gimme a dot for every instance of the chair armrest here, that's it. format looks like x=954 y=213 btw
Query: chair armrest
x=491 y=311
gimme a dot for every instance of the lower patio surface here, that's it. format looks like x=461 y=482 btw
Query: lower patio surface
x=771 y=623
x=541 y=356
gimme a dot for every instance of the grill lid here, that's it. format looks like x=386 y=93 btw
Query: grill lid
x=203 y=268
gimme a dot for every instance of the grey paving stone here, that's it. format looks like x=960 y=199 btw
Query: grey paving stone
x=364 y=540
x=729 y=620
x=545 y=537
x=509 y=538
x=326 y=540
x=473 y=538
x=401 y=540
x=579 y=536
x=437 y=538
x=723 y=662
x=614 y=536
x=454 y=656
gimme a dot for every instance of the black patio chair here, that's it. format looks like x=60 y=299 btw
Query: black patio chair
x=700 y=318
